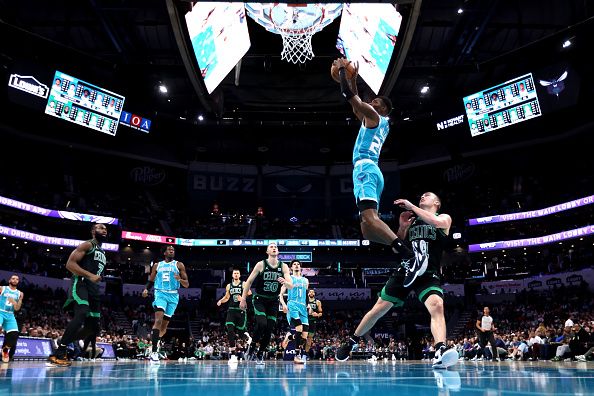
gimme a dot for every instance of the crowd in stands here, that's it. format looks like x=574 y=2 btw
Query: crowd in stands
x=553 y=325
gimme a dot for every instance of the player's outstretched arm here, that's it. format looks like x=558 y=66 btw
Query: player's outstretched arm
x=364 y=111
x=442 y=221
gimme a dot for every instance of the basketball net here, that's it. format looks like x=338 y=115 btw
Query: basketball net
x=297 y=44
x=297 y=36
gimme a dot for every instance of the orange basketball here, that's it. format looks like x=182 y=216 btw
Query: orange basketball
x=350 y=72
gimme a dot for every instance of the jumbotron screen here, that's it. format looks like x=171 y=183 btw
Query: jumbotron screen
x=367 y=35
x=503 y=105
x=85 y=104
x=219 y=35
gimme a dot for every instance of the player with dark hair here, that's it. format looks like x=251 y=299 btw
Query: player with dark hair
x=296 y=308
x=11 y=300
x=267 y=275
x=236 y=317
x=167 y=276
x=86 y=263
x=427 y=231
x=485 y=325
x=368 y=181
x=314 y=311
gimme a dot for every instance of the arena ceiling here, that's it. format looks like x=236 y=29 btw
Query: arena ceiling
x=451 y=52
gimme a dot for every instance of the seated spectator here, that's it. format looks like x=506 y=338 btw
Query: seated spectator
x=534 y=343
x=563 y=348
x=501 y=347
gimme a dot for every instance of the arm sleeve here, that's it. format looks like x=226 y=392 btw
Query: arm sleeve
x=344 y=85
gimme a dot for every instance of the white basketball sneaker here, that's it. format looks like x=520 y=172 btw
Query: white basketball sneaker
x=154 y=357
x=445 y=358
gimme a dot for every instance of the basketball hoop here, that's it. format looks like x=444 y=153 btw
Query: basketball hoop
x=296 y=23
x=297 y=44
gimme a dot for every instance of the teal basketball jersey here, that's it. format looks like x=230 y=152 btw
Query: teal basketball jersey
x=370 y=141
x=165 y=279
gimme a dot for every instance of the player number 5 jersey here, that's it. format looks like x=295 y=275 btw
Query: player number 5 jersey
x=165 y=279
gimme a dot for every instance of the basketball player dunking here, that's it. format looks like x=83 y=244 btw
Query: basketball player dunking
x=368 y=181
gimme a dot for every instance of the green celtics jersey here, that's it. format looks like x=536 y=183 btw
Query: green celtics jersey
x=313 y=305
x=267 y=284
x=235 y=291
x=428 y=243
x=94 y=261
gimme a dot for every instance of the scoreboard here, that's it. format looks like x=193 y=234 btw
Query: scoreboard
x=85 y=104
x=503 y=105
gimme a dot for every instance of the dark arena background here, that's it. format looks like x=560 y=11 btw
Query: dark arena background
x=180 y=123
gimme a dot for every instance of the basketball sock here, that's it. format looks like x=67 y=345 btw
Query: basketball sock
x=298 y=340
x=399 y=247
x=439 y=345
x=61 y=351
x=155 y=339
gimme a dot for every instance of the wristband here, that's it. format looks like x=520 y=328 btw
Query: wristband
x=149 y=285
x=344 y=85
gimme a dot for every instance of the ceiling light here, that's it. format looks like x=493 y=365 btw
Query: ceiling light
x=200 y=117
x=162 y=89
x=425 y=89
x=566 y=43
x=460 y=10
